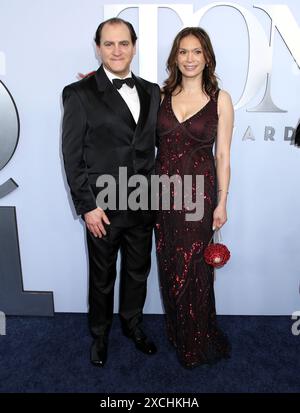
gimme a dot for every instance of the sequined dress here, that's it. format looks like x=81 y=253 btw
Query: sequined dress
x=186 y=281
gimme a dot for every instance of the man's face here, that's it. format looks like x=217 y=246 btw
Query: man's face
x=116 y=49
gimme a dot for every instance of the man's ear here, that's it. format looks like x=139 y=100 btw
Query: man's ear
x=98 y=51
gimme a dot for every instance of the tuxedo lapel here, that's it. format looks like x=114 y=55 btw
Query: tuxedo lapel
x=144 y=106
x=112 y=98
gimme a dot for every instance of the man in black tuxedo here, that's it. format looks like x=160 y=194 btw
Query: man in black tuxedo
x=109 y=122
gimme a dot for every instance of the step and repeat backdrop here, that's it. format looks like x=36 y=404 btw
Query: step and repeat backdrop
x=45 y=44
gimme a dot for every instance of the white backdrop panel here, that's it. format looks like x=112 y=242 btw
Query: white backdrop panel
x=44 y=44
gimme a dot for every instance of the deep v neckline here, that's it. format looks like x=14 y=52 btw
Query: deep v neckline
x=190 y=117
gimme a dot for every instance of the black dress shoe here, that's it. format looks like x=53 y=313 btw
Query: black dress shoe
x=99 y=352
x=141 y=341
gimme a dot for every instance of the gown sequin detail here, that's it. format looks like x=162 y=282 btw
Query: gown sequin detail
x=186 y=281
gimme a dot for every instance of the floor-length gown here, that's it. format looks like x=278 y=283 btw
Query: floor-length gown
x=186 y=281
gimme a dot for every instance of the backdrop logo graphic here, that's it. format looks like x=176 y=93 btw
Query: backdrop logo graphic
x=2 y=324
x=260 y=39
x=9 y=134
x=13 y=299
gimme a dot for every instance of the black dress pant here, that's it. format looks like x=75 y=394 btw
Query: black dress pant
x=135 y=244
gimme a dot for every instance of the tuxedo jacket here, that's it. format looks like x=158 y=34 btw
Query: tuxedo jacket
x=99 y=135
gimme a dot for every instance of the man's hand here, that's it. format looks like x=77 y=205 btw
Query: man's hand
x=94 y=221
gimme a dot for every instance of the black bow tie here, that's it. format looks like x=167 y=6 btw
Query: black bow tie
x=118 y=83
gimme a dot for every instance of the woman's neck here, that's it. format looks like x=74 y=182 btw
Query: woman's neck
x=192 y=86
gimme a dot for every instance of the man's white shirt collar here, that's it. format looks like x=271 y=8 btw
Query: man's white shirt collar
x=130 y=95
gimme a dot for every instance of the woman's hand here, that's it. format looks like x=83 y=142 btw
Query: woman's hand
x=219 y=217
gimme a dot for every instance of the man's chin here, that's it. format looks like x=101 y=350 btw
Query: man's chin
x=119 y=70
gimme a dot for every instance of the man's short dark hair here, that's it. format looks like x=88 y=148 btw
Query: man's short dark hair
x=115 y=20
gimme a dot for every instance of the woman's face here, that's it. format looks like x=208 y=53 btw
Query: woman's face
x=190 y=57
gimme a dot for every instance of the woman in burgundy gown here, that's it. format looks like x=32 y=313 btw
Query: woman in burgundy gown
x=194 y=115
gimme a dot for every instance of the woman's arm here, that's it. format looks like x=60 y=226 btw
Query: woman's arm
x=222 y=157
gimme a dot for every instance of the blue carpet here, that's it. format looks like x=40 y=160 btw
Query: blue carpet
x=51 y=355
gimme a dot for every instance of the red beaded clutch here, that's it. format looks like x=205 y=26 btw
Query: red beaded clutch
x=216 y=254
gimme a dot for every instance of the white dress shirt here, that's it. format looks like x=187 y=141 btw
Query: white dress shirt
x=130 y=95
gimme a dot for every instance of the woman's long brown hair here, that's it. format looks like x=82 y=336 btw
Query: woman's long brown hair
x=209 y=78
